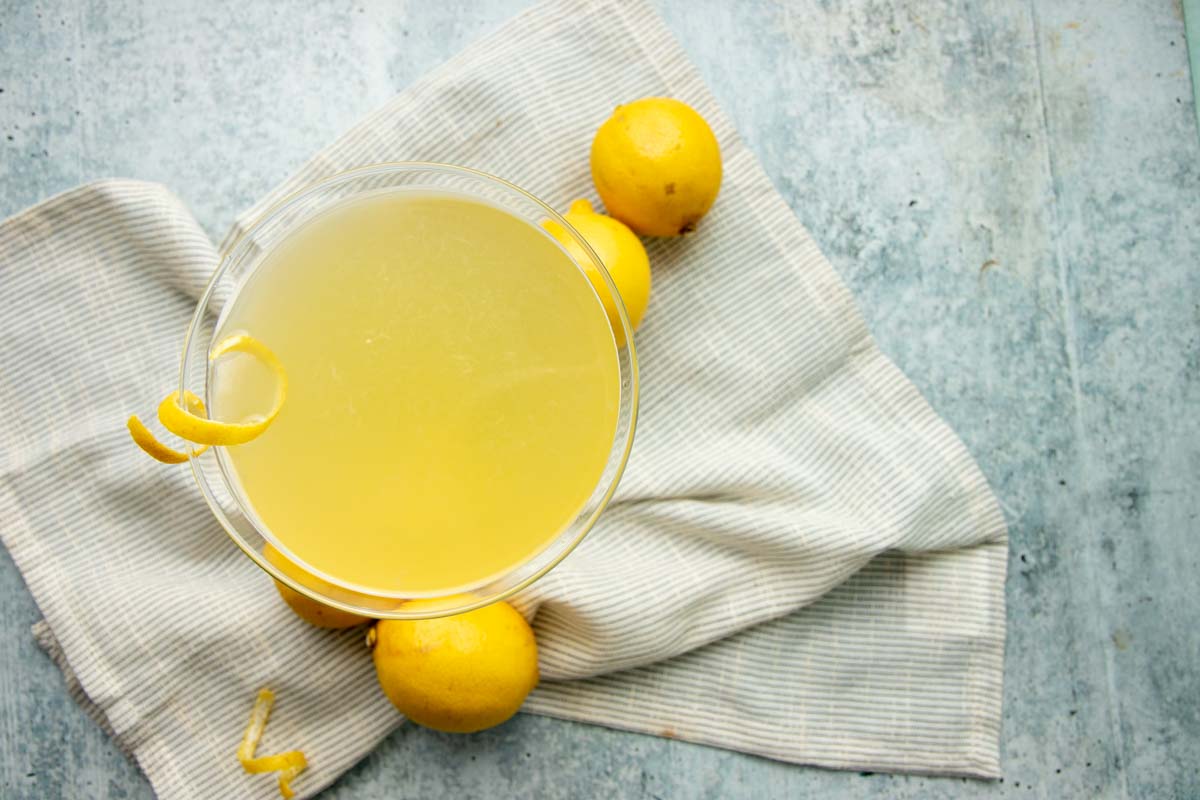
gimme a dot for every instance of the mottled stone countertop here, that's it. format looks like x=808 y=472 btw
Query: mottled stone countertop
x=1011 y=188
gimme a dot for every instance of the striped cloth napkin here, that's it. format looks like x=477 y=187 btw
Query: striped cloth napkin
x=802 y=561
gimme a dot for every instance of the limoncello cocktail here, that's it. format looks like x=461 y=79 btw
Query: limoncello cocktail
x=453 y=392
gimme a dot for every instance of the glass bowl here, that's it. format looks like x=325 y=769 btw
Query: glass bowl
x=211 y=469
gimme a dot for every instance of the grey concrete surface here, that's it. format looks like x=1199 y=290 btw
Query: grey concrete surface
x=1011 y=188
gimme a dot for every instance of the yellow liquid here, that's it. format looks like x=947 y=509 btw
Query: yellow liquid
x=452 y=400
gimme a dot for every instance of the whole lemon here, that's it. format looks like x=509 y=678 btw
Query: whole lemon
x=657 y=166
x=306 y=608
x=458 y=674
x=622 y=254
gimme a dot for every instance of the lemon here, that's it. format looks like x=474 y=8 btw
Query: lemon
x=306 y=608
x=657 y=166
x=622 y=254
x=458 y=674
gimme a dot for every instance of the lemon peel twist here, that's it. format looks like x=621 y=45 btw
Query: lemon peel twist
x=180 y=420
x=189 y=420
x=146 y=440
x=288 y=765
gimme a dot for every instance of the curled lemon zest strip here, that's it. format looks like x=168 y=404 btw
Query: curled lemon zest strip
x=258 y=722
x=292 y=759
x=182 y=420
x=285 y=780
x=149 y=443
x=289 y=764
x=146 y=440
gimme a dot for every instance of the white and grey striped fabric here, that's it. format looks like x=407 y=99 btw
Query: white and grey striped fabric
x=802 y=561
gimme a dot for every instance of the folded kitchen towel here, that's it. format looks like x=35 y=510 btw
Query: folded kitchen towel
x=802 y=561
